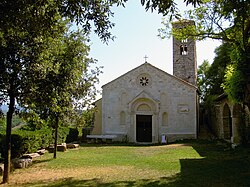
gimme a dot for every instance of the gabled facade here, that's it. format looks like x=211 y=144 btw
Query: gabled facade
x=146 y=103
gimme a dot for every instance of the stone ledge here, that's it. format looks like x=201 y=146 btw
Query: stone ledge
x=72 y=146
x=61 y=148
x=21 y=162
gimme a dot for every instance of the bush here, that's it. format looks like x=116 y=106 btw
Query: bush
x=23 y=141
x=46 y=137
x=73 y=135
x=62 y=134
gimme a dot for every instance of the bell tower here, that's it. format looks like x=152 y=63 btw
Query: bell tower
x=184 y=55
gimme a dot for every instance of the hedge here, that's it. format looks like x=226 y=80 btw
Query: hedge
x=73 y=135
x=23 y=141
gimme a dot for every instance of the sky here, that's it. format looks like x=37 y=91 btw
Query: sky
x=136 y=36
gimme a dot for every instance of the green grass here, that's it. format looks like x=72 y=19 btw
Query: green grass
x=192 y=163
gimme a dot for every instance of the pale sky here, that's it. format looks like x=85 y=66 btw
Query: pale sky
x=136 y=36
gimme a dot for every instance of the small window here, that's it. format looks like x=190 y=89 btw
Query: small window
x=184 y=41
x=183 y=50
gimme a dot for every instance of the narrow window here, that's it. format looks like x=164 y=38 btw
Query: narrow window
x=122 y=118
x=183 y=50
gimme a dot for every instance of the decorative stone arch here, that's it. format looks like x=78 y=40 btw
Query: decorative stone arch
x=144 y=106
x=227 y=122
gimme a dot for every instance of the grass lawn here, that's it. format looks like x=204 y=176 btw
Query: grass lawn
x=192 y=163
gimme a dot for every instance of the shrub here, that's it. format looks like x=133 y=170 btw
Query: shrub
x=23 y=141
x=73 y=135
x=46 y=137
x=62 y=134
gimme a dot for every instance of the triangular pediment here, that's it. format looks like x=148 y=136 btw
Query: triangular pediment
x=152 y=71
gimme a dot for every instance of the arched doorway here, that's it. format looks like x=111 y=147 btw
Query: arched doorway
x=144 y=111
x=227 y=122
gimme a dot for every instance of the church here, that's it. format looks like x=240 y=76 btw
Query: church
x=149 y=105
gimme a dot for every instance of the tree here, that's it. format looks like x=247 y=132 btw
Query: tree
x=228 y=21
x=216 y=73
x=211 y=77
x=202 y=79
x=65 y=84
x=167 y=7
x=24 y=26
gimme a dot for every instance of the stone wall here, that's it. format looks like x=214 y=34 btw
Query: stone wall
x=227 y=120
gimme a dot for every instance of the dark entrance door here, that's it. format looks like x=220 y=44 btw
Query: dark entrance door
x=143 y=128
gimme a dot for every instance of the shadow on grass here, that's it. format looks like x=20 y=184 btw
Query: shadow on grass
x=164 y=181
x=220 y=166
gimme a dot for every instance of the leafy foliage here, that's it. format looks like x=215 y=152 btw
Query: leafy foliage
x=234 y=84
x=2 y=124
x=202 y=79
x=212 y=77
x=86 y=118
x=167 y=6
x=26 y=142
x=73 y=135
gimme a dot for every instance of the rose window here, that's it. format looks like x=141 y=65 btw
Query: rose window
x=144 y=81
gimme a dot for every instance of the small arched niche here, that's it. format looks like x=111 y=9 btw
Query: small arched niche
x=227 y=122
x=164 y=119
x=122 y=118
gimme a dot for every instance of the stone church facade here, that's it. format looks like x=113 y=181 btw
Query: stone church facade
x=147 y=104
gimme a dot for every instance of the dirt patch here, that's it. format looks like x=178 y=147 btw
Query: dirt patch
x=154 y=150
x=104 y=174
x=176 y=145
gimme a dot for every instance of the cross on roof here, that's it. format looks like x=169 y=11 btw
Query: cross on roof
x=145 y=58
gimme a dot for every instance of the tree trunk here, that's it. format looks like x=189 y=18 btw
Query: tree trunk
x=7 y=159
x=56 y=134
